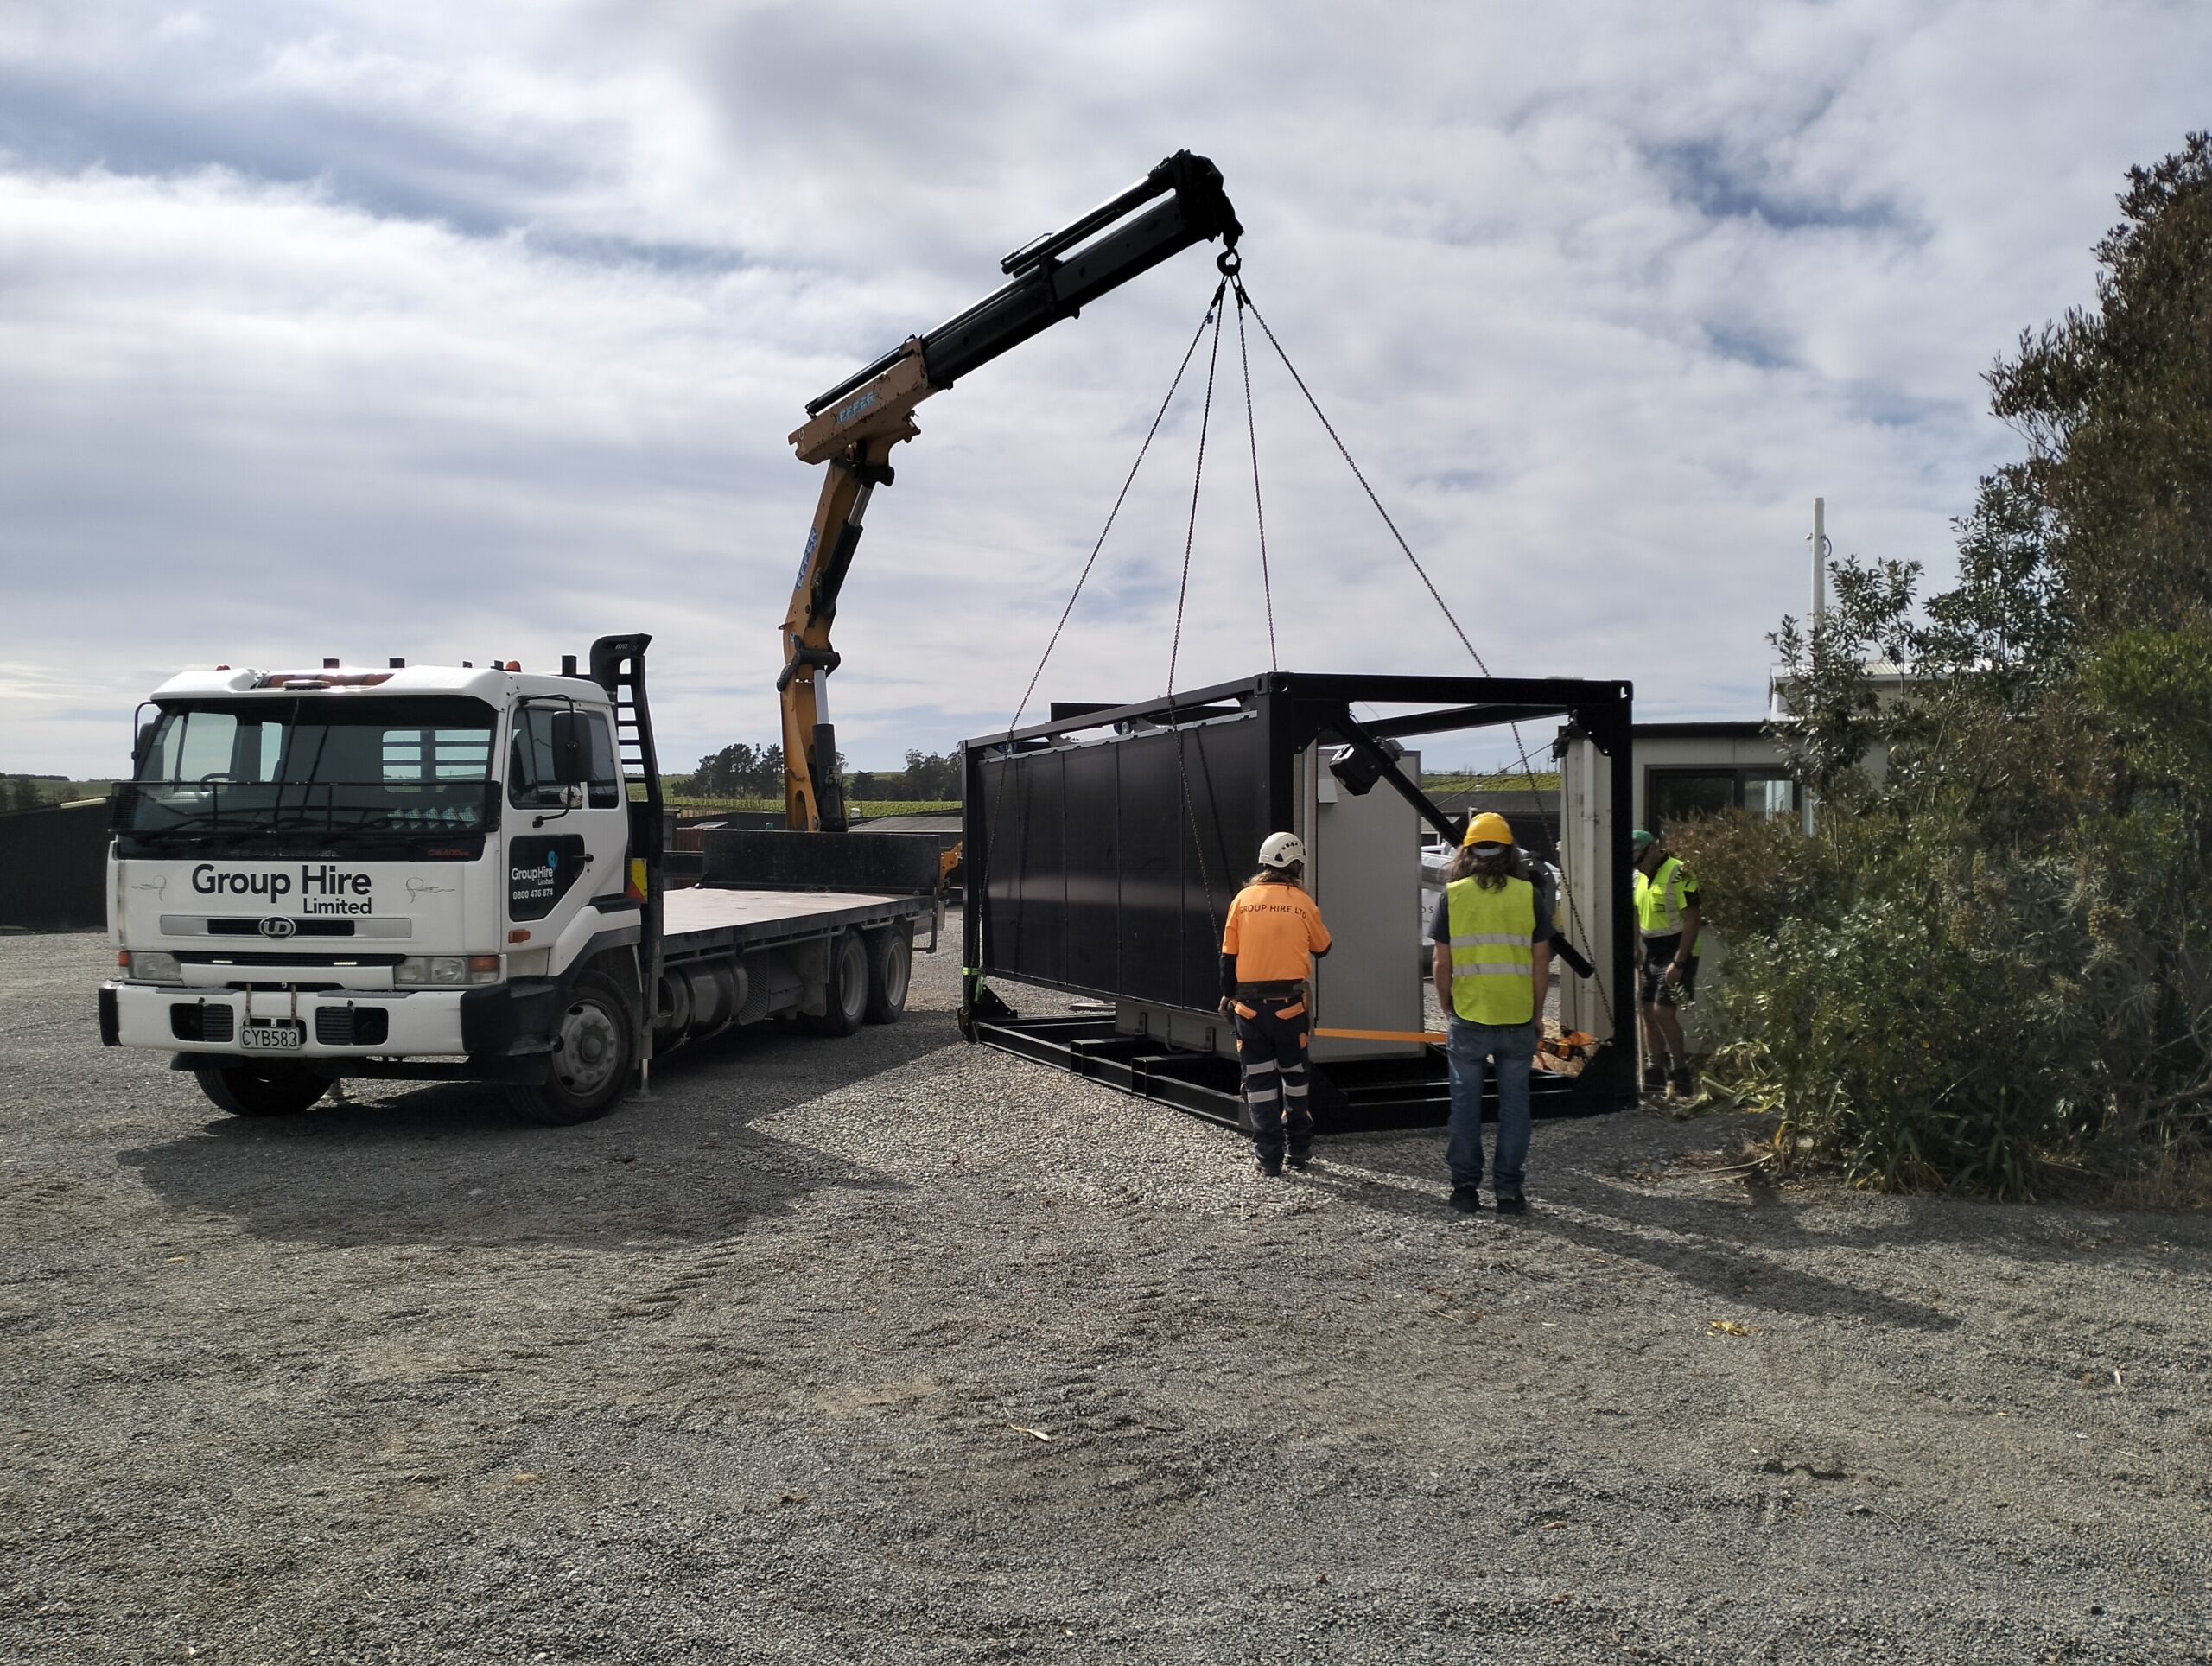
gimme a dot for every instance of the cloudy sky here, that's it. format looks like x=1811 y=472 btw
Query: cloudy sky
x=452 y=332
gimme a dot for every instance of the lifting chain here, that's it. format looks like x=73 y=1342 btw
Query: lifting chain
x=1244 y=302
x=1230 y=264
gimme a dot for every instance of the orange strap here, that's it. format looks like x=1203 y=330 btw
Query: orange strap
x=1291 y=1012
x=1385 y=1035
x=1242 y=1010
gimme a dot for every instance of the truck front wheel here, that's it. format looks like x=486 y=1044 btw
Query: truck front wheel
x=261 y=1090
x=593 y=1051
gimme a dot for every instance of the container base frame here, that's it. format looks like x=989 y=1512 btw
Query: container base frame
x=1348 y=1097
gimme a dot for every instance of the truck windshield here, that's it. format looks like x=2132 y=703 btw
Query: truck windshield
x=330 y=768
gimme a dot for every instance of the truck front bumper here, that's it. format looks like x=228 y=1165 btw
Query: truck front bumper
x=495 y=1021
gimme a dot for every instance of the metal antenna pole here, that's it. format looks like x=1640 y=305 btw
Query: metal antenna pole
x=1808 y=812
x=1819 y=558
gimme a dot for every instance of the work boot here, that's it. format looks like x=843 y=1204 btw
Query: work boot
x=1270 y=1171
x=1467 y=1199
x=1655 y=1079
x=1513 y=1203
x=1301 y=1160
x=1683 y=1081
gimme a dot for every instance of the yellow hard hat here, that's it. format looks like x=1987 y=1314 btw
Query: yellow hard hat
x=1489 y=828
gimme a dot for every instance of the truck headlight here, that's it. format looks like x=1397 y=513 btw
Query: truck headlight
x=445 y=971
x=150 y=966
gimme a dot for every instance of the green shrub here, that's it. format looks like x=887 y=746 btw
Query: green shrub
x=1992 y=962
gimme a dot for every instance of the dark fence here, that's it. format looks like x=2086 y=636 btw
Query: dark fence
x=53 y=868
x=896 y=864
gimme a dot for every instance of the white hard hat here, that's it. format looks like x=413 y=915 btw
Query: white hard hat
x=1283 y=850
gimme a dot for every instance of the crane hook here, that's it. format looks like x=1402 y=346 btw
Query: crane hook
x=1228 y=263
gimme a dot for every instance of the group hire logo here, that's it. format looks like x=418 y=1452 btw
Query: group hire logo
x=278 y=926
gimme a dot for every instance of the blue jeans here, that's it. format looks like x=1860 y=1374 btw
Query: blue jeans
x=1469 y=1049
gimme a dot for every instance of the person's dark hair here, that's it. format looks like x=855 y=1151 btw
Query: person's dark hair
x=1490 y=870
x=1290 y=875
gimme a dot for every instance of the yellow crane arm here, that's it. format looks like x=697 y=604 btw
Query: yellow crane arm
x=853 y=426
x=854 y=439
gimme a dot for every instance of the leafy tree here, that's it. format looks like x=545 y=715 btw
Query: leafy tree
x=2116 y=406
x=738 y=770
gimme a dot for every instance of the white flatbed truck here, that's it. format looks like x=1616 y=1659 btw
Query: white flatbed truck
x=454 y=873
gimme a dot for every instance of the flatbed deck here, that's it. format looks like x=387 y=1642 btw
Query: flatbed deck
x=711 y=919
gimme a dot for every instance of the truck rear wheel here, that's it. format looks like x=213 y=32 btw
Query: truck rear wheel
x=848 y=986
x=890 y=970
x=593 y=1051
x=261 y=1090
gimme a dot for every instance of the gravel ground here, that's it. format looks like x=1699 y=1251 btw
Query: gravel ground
x=894 y=1350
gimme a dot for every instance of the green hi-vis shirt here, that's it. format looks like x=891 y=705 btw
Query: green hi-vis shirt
x=1660 y=898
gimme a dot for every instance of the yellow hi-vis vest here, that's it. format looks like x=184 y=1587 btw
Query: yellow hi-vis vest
x=1659 y=898
x=1493 y=960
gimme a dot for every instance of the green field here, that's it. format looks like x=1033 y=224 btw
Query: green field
x=13 y=795
x=1545 y=781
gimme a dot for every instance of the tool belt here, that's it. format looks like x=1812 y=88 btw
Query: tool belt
x=1288 y=995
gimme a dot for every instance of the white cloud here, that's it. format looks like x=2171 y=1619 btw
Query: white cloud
x=443 y=332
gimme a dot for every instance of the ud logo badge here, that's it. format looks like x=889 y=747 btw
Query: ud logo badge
x=278 y=926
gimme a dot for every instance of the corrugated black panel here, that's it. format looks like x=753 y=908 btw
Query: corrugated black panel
x=1155 y=834
x=1094 y=949
x=1038 y=920
x=1228 y=793
x=1110 y=865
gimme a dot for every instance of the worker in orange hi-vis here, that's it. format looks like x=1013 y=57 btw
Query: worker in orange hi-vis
x=1268 y=946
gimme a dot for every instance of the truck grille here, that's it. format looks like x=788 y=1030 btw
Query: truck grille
x=305 y=928
x=196 y=1021
x=352 y=1027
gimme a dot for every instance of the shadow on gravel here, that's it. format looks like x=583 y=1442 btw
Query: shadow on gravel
x=2055 y=1233
x=1695 y=1252
x=1712 y=1245
x=450 y=1163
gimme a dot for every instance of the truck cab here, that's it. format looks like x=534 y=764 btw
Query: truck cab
x=429 y=872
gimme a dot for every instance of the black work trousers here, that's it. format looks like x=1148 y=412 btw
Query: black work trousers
x=1272 y=1034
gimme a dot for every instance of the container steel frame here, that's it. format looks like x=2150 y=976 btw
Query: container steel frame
x=1293 y=712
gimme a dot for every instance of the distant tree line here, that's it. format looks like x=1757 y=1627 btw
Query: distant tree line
x=739 y=771
x=932 y=777
x=27 y=792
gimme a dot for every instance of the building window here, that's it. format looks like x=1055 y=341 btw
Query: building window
x=1676 y=794
x=1768 y=795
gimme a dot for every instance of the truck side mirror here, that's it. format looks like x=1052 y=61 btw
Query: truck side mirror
x=141 y=748
x=571 y=755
